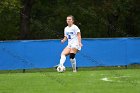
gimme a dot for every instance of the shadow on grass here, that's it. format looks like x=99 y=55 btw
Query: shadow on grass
x=36 y=70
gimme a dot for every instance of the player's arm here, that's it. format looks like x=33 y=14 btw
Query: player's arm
x=79 y=38
x=64 y=39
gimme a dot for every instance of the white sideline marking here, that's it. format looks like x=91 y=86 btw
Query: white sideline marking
x=105 y=79
x=122 y=76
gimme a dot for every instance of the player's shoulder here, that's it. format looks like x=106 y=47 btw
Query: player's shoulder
x=76 y=28
x=75 y=25
x=66 y=27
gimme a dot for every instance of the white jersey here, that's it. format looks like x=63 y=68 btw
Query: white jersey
x=71 y=33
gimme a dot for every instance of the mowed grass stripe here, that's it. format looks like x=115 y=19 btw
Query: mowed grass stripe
x=69 y=82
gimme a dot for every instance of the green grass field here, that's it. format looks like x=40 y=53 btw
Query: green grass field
x=84 y=81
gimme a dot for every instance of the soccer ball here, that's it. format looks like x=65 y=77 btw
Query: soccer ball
x=61 y=68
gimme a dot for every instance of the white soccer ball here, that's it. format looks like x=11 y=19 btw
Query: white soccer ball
x=61 y=68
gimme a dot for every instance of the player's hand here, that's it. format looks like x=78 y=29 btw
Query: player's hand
x=62 y=41
x=80 y=44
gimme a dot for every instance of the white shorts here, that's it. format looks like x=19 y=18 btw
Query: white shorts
x=74 y=45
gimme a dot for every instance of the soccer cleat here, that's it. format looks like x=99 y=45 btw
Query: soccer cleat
x=77 y=68
x=74 y=71
x=56 y=66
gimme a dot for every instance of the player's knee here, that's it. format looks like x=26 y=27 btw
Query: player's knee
x=72 y=55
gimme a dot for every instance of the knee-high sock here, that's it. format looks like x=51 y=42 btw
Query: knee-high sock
x=73 y=62
x=62 y=60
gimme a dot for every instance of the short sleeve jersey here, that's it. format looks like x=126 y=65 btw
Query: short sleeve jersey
x=71 y=33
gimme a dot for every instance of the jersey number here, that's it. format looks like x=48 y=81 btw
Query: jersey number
x=69 y=36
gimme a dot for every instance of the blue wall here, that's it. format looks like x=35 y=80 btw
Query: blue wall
x=46 y=53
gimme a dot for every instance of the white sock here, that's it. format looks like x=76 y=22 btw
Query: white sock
x=73 y=62
x=62 y=60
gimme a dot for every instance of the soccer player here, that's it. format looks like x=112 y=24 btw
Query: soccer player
x=73 y=35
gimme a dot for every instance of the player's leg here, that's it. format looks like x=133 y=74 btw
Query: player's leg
x=73 y=52
x=64 y=53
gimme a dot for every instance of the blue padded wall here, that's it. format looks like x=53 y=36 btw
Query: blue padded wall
x=28 y=54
